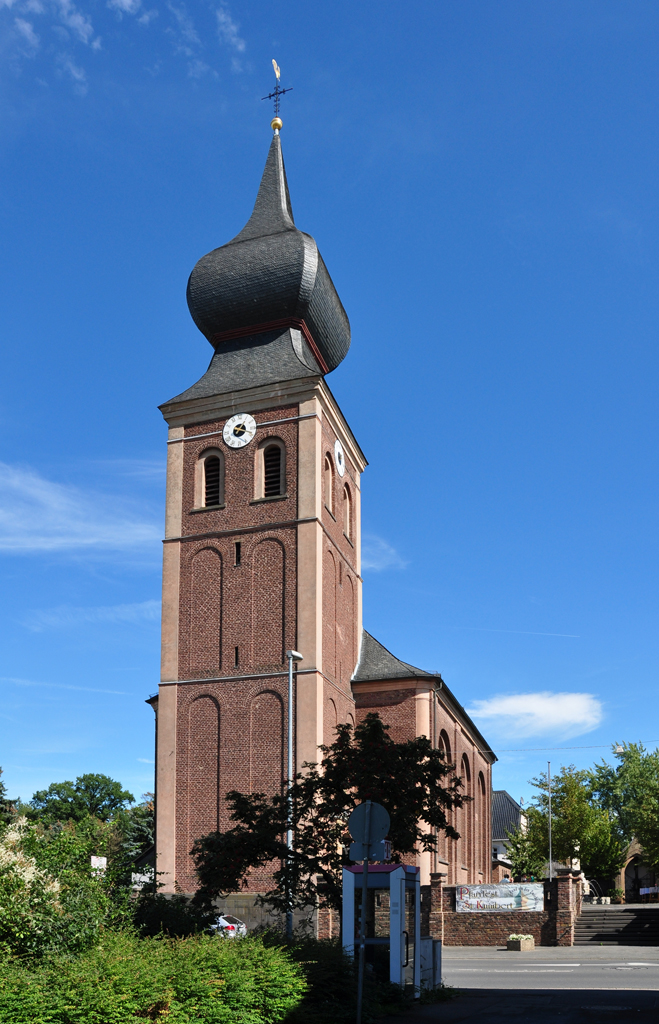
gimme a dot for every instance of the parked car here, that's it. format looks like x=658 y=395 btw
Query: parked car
x=229 y=927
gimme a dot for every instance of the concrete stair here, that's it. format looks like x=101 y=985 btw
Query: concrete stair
x=618 y=925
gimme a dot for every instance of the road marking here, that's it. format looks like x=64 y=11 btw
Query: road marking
x=517 y=970
x=492 y=960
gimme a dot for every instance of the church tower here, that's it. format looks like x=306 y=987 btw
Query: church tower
x=262 y=555
x=262 y=537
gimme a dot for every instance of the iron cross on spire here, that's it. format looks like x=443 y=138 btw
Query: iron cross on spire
x=276 y=122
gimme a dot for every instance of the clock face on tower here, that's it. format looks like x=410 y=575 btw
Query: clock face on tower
x=339 y=457
x=239 y=430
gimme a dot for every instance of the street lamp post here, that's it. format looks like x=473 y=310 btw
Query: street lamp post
x=292 y=656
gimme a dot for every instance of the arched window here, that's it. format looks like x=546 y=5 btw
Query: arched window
x=212 y=480
x=270 y=468
x=271 y=471
x=209 y=479
x=347 y=512
x=484 y=843
x=328 y=484
x=444 y=745
x=467 y=830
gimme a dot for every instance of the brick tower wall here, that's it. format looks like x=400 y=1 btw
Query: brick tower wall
x=236 y=621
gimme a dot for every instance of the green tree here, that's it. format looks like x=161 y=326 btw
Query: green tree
x=412 y=780
x=526 y=847
x=137 y=825
x=6 y=805
x=95 y=796
x=647 y=830
x=629 y=791
x=581 y=828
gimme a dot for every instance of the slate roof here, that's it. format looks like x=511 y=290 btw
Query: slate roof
x=252 y=361
x=271 y=271
x=506 y=814
x=377 y=663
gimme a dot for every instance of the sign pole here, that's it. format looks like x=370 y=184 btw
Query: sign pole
x=551 y=868
x=362 y=923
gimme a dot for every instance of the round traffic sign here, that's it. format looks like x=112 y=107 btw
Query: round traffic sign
x=378 y=822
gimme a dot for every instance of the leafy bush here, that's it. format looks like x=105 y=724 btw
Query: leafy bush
x=49 y=898
x=30 y=899
x=331 y=976
x=175 y=916
x=125 y=978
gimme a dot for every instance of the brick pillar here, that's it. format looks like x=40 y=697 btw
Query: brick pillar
x=436 y=913
x=565 y=910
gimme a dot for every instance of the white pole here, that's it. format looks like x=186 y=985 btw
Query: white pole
x=551 y=868
x=362 y=924
x=292 y=656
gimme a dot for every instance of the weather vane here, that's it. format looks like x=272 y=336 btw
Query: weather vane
x=276 y=122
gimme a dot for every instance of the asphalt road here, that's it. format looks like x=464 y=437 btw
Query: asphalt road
x=578 y=985
x=578 y=967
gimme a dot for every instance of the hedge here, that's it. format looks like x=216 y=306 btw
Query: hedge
x=125 y=978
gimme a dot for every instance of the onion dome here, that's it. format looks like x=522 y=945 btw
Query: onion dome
x=270 y=278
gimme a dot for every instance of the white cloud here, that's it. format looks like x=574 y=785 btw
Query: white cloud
x=145 y=760
x=66 y=616
x=197 y=69
x=143 y=469
x=536 y=714
x=228 y=30
x=26 y=31
x=125 y=6
x=7 y=3
x=73 y=19
x=76 y=73
x=377 y=554
x=186 y=28
x=39 y=515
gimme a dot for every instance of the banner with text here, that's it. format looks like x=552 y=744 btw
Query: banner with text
x=492 y=899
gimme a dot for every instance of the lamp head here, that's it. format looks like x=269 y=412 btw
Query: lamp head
x=294 y=656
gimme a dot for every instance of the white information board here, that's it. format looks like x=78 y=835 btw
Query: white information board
x=502 y=897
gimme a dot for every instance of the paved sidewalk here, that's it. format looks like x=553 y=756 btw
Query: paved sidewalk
x=483 y=1006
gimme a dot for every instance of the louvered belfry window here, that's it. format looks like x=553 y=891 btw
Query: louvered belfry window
x=272 y=471
x=212 y=480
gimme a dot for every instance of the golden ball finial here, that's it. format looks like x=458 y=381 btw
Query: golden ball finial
x=276 y=124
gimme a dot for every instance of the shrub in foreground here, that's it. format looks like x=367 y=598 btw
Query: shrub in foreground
x=331 y=975
x=201 y=980
x=50 y=899
x=176 y=916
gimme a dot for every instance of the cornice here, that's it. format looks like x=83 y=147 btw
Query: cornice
x=217 y=407
x=444 y=696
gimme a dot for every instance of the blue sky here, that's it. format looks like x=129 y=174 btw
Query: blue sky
x=481 y=180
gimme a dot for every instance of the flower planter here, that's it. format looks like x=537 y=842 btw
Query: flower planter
x=520 y=945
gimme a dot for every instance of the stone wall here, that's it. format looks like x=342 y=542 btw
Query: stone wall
x=554 y=926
